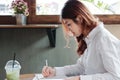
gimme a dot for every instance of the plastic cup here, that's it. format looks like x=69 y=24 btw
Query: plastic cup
x=12 y=72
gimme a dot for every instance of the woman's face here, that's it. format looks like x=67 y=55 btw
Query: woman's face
x=74 y=28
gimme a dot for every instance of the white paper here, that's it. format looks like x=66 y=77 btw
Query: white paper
x=41 y=77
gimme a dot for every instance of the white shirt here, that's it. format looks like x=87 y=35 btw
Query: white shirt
x=101 y=59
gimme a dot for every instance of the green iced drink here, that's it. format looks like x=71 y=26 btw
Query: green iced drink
x=12 y=72
x=13 y=75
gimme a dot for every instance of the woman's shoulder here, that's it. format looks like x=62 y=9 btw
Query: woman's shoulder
x=106 y=37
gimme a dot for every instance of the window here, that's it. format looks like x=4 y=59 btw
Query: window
x=49 y=7
x=53 y=7
x=48 y=11
x=103 y=7
x=5 y=7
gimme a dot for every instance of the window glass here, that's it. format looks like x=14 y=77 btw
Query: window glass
x=49 y=7
x=53 y=7
x=5 y=7
x=103 y=6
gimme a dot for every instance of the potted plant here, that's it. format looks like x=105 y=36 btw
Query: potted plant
x=20 y=9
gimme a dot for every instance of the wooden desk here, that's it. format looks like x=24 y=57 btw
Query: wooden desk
x=27 y=76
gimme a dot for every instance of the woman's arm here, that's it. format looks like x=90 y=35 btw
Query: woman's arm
x=70 y=70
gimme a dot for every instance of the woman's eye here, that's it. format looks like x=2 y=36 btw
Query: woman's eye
x=68 y=25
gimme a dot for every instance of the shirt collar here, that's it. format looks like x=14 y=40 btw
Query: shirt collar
x=93 y=33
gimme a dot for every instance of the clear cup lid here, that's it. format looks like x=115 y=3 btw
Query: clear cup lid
x=9 y=64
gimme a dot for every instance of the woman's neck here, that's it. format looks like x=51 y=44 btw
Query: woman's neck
x=89 y=29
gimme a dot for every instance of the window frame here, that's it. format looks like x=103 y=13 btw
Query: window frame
x=52 y=19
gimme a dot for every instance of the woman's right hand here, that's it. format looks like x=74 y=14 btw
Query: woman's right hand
x=48 y=71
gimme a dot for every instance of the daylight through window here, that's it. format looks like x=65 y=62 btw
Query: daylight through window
x=53 y=7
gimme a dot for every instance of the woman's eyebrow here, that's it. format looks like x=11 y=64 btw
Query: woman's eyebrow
x=66 y=22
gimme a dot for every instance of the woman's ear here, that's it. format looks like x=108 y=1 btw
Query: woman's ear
x=79 y=19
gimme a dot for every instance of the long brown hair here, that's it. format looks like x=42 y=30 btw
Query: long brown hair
x=75 y=9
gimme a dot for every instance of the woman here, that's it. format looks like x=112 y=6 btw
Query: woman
x=98 y=49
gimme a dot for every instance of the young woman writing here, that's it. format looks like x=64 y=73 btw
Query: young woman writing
x=98 y=49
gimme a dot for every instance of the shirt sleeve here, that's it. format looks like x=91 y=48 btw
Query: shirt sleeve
x=70 y=70
x=109 y=49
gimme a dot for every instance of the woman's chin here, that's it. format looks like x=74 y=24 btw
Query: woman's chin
x=77 y=35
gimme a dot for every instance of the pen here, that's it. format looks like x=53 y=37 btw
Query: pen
x=46 y=62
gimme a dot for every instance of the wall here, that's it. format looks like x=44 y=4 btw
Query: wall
x=114 y=29
x=32 y=48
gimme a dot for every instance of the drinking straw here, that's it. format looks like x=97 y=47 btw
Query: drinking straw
x=14 y=59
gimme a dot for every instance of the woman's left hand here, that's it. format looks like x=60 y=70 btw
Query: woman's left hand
x=73 y=78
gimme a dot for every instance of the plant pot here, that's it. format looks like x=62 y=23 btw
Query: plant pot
x=20 y=19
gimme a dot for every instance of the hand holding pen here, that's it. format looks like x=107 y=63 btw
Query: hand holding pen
x=48 y=71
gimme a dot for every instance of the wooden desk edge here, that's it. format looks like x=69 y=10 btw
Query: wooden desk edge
x=22 y=76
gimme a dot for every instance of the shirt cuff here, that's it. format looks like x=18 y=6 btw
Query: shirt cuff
x=85 y=77
x=60 y=71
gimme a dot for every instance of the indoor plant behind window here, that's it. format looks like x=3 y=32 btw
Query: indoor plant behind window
x=20 y=9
